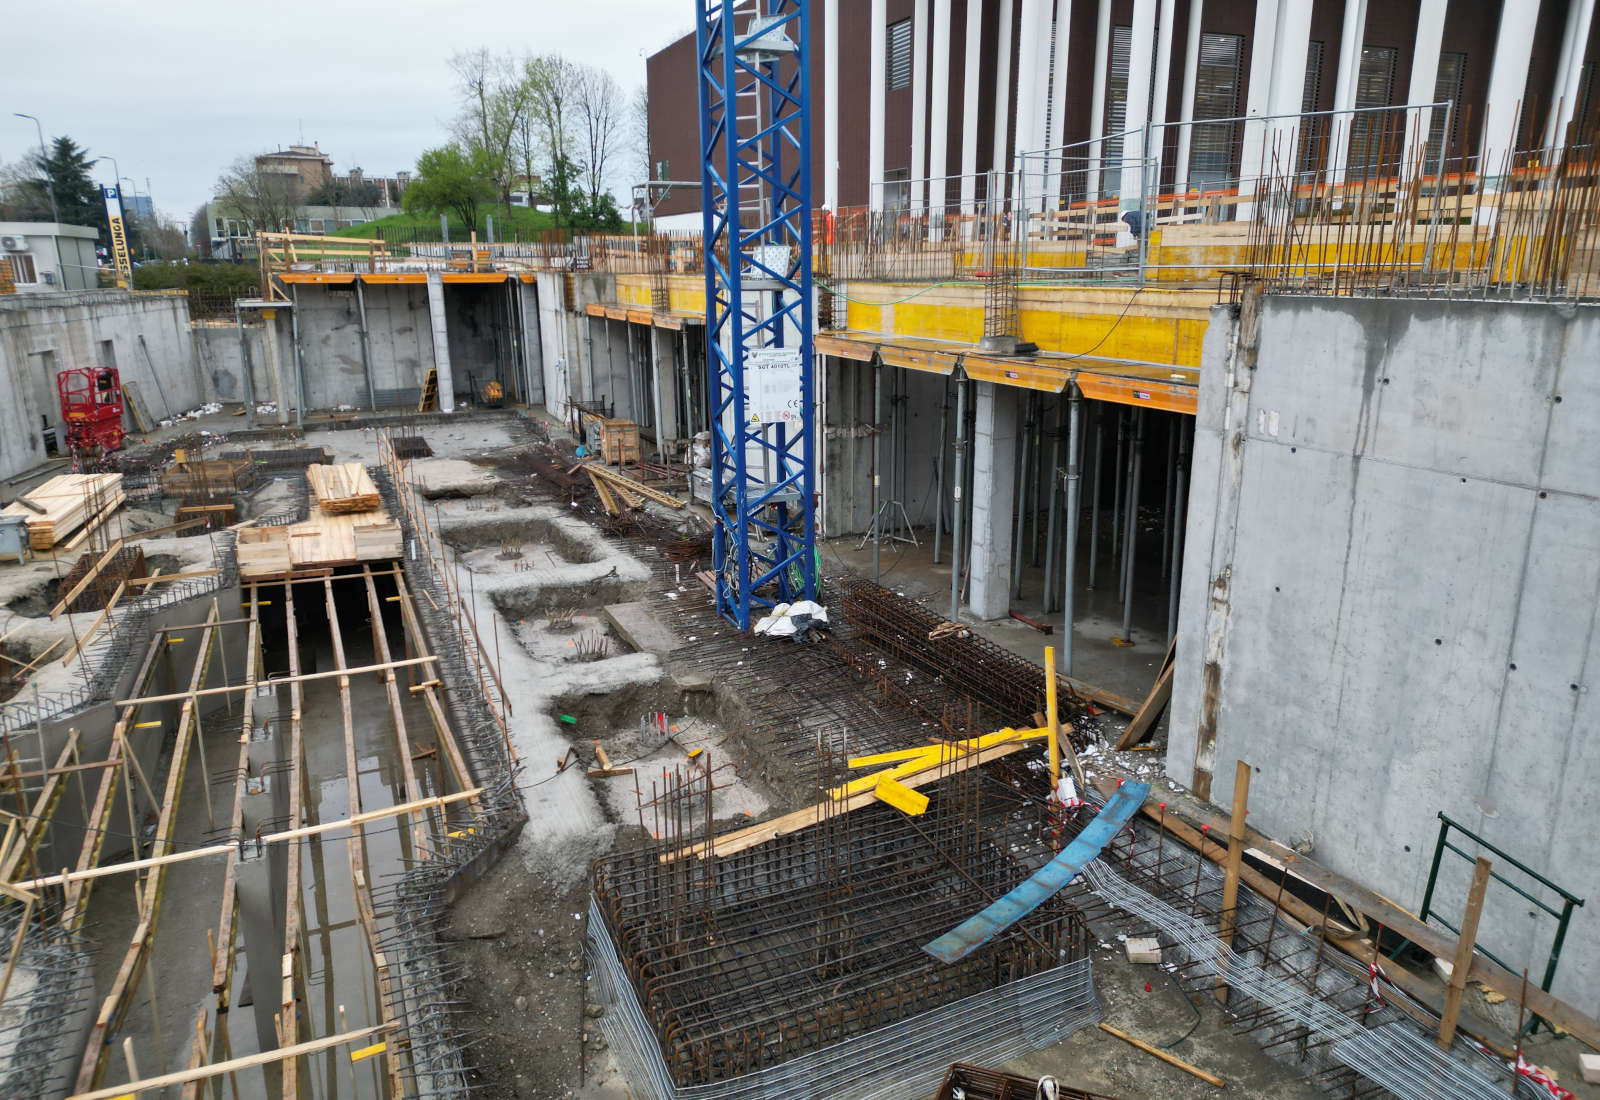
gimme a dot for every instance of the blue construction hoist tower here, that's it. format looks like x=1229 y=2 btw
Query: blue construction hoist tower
x=755 y=143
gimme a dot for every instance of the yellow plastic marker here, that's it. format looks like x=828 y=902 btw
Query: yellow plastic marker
x=1050 y=715
x=903 y=798
x=368 y=1052
x=145 y=725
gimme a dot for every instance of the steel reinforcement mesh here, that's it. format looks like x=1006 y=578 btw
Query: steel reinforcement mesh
x=434 y=1024
x=907 y=1057
x=1305 y=1003
x=744 y=963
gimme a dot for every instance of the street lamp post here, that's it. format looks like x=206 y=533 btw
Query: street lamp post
x=44 y=166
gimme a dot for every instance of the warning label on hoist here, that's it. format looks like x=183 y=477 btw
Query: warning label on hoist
x=772 y=385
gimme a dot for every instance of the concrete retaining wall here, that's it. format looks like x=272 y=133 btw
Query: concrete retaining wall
x=1391 y=603
x=399 y=340
x=41 y=334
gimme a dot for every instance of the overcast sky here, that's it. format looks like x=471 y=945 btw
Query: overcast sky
x=177 y=89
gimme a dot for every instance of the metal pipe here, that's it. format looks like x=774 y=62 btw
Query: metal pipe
x=1176 y=564
x=956 y=486
x=1021 y=508
x=1129 y=512
x=299 y=366
x=1166 y=508
x=366 y=345
x=1094 y=492
x=1133 y=527
x=1036 y=435
x=938 y=472
x=1116 y=491
x=878 y=86
x=249 y=379
x=877 y=459
x=1070 y=552
x=1050 y=536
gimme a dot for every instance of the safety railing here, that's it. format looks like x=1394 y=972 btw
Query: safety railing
x=1530 y=881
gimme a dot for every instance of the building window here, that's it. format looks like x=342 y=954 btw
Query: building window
x=899 y=59
x=1116 y=110
x=22 y=269
x=1310 y=92
x=1313 y=85
x=1216 y=96
x=896 y=189
x=1446 y=86
x=1373 y=143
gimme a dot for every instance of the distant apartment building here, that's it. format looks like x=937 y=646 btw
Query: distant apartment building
x=308 y=170
x=304 y=167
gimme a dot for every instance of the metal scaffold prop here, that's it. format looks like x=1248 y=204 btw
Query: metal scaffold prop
x=755 y=141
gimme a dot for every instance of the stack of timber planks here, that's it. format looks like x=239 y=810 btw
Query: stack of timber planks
x=65 y=503
x=347 y=525
x=342 y=489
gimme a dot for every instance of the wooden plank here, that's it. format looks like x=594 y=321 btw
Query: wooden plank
x=1462 y=963
x=94 y=524
x=1151 y=708
x=755 y=835
x=1171 y=1060
x=86 y=580
x=1230 y=878
x=276 y=681
x=233 y=1065
x=94 y=627
x=414 y=806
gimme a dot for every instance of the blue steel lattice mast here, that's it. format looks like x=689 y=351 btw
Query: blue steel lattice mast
x=755 y=144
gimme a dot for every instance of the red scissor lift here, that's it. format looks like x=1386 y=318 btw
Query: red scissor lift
x=91 y=407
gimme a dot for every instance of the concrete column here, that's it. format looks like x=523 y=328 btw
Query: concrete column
x=1141 y=50
x=939 y=114
x=1191 y=75
x=441 y=342
x=1283 y=39
x=1290 y=49
x=532 y=342
x=1056 y=137
x=661 y=363
x=1000 y=104
x=1508 y=78
x=1424 y=79
x=1035 y=21
x=1344 y=88
x=919 y=106
x=1569 y=76
x=275 y=364
x=830 y=96
x=1257 y=96
x=878 y=87
x=970 y=70
x=994 y=461
x=366 y=344
x=1158 y=100
x=1097 y=103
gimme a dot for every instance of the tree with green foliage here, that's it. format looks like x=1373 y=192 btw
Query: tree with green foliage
x=337 y=192
x=66 y=167
x=452 y=180
x=233 y=280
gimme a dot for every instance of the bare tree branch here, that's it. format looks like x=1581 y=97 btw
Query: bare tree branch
x=600 y=116
x=265 y=201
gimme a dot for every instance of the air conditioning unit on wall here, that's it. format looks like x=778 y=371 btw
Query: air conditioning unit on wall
x=14 y=244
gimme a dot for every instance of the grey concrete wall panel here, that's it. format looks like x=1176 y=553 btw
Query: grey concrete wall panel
x=41 y=335
x=1394 y=573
